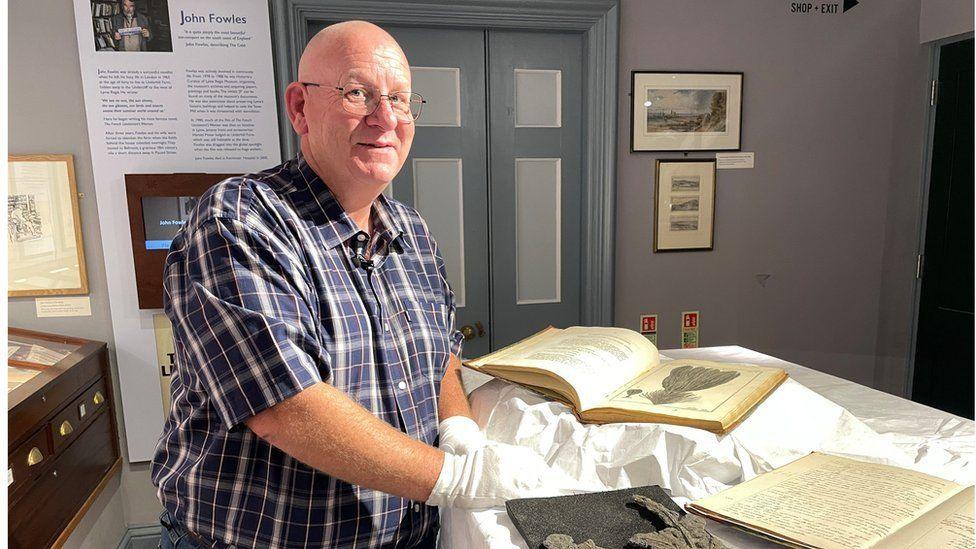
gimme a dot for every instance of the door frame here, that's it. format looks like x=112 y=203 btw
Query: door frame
x=923 y=209
x=597 y=20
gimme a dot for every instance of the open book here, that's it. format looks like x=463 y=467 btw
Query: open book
x=839 y=503
x=610 y=375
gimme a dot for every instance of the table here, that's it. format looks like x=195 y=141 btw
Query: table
x=811 y=411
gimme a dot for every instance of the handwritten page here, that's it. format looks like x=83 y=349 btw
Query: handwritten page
x=831 y=502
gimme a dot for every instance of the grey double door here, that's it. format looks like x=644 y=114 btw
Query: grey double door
x=495 y=171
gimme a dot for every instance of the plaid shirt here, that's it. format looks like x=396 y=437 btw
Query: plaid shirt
x=265 y=301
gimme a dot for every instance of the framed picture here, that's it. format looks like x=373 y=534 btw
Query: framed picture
x=685 y=111
x=684 y=204
x=45 y=252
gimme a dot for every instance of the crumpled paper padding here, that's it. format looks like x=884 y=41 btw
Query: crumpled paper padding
x=690 y=463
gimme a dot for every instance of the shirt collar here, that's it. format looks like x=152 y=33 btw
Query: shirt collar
x=336 y=225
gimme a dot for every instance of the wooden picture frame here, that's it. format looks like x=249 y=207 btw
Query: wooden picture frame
x=46 y=253
x=685 y=111
x=684 y=204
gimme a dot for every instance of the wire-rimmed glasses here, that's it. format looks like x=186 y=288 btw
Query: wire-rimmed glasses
x=362 y=100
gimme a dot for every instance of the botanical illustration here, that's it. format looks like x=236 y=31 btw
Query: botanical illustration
x=686 y=110
x=23 y=219
x=683 y=383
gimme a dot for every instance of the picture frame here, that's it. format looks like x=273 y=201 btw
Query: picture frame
x=45 y=249
x=684 y=204
x=685 y=111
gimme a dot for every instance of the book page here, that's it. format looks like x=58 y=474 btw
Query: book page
x=691 y=388
x=830 y=502
x=594 y=360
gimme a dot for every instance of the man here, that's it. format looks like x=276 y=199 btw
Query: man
x=131 y=28
x=315 y=340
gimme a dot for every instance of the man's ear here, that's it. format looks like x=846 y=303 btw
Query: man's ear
x=295 y=102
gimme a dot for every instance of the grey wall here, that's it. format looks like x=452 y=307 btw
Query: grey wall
x=47 y=115
x=834 y=108
x=944 y=18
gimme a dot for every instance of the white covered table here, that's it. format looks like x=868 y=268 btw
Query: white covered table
x=811 y=411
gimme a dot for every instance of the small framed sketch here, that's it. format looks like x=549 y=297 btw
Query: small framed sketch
x=685 y=111
x=45 y=253
x=684 y=204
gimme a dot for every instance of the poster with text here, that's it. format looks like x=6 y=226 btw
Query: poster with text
x=170 y=86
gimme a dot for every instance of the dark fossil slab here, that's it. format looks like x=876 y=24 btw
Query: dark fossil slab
x=608 y=518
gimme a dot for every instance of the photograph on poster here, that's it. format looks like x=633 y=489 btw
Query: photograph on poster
x=131 y=25
x=675 y=111
x=684 y=204
x=45 y=254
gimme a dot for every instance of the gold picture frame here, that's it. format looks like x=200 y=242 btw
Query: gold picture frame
x=45 y=250
x=684 y=204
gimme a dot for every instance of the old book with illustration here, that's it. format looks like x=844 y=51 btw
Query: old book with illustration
x=836 y=502
x=610 y=375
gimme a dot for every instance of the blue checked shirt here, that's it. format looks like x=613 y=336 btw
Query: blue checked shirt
x=265 y=301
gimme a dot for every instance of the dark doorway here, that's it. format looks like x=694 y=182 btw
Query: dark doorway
x=944 y=364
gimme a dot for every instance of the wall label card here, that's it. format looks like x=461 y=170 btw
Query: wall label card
x=728 y=161
x=63 y=306
x=689 y=329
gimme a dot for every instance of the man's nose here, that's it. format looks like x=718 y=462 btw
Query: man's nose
x=383 y=115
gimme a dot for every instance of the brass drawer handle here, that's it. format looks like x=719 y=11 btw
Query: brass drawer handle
x=34 y=457
x=65 y=428
x=98 y=398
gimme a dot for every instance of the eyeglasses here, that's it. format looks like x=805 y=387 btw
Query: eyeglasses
x=363 y=100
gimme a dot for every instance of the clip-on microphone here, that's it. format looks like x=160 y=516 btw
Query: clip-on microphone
x=359 y=242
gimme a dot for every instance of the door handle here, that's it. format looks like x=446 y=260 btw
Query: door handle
x=470 y=332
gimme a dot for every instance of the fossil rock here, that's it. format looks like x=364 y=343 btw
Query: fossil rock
x=562 y=541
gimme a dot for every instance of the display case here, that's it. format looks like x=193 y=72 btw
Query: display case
x=62 y=437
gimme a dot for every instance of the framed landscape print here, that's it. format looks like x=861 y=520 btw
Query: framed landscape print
x=45 y=253
x=684 y=204
x=685 y=111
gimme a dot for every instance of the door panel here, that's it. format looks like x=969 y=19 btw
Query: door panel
x=535 y=106
x=446 y=167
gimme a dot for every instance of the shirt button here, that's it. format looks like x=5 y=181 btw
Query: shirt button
x=402 y=385
x=416 y=507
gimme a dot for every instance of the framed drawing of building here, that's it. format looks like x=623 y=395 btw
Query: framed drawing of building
x=684 y=204
x=45 y=252
x=685 y=111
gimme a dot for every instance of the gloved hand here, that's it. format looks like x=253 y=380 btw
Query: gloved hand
x=460 y=435
x=493 y=474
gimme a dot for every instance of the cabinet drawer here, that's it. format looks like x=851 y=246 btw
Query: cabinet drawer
x=54 y=498
x=27 y=461
x=73 y=418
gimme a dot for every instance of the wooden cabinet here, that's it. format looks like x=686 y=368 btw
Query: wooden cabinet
x=62 y=438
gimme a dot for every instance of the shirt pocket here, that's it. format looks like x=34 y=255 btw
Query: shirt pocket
x=426 y=340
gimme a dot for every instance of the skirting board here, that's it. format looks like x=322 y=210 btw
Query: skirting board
x=143 y=536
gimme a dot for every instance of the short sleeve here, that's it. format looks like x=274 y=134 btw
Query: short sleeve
x=241 y=316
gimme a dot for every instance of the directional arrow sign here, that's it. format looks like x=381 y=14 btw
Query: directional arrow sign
x=848 y=4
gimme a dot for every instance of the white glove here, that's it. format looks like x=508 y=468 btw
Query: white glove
x=460 y=435
x=494 y=474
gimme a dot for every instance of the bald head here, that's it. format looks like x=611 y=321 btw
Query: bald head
x=320 y=61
